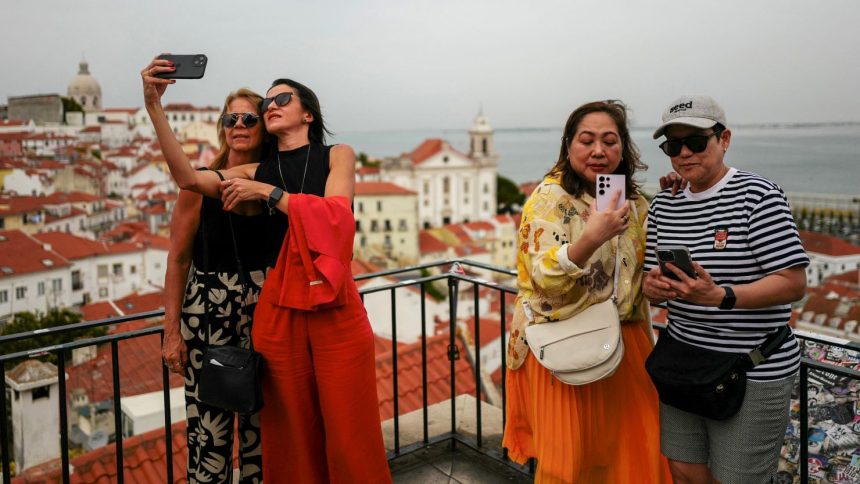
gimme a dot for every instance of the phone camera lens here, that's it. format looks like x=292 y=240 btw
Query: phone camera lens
x=666 y=255
x=602 y=185
x=601 y=192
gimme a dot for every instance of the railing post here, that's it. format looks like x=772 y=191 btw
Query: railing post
x=64 y=417
x=803 y=454
x=504 y=367
x=478 y=379
x=394 y=373
x=117 y=415
x=453 y=354
x=168 y=426
x=424 y=362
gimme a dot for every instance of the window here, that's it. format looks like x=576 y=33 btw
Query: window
x=374 y=226
x=103 y=292
x=360 y=207
x=426 y=188
x=484 y=145
x=57 y=285
x=486 y=206
x=446 y=185
x=387 y=242
x=132 y=269
x=486 y=188
x=466 y=186
x=387 y=226
x=362 y=241
x=117 y=270
x=76 y=281
x=379 y=205
x=402 y=226
x=40 y=288
x=358 y=225
x=20 y=292
x=445 y=159
x=102 y=270
x=42 y=392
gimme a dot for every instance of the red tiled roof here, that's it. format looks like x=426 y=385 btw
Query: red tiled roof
x=92 y=129
x=121 y=110
x=15 y=136
x=528 y=187
x=380 y=188
x=20 y=253
x=467 y=250
x=429 y=244
x=125 y=231
x=481 y=225
x=73 y=247
x=850 y=277
x=410 y=389
x=821 y=305
x=827 y=244
x=426 y=149
x=144 y=461
x=459 y=232
x=99 y=310
x=141 y=303
x=151 y=241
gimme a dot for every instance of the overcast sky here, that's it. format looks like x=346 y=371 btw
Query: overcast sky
x=379 y=65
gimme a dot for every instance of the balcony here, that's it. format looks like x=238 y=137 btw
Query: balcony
x=440 y=387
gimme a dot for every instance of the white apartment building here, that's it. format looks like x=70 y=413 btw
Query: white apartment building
x=179 y=115
x=33 y=277
x=386 y=222
x=452 y=187
x=100 y=271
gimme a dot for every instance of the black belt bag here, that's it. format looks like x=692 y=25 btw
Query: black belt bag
x=708 y=383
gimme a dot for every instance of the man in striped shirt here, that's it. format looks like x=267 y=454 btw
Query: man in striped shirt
x=749 y=266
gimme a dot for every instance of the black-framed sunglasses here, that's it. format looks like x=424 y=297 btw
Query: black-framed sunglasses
x=281 y=99
x=249 y=120
x=697 y=143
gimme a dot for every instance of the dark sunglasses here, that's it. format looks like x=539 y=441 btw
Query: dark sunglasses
x=696 y=144
x=281 y=99
x=249 y=120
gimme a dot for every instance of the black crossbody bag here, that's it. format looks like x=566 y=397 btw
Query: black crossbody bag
x=230 y=375
x=708 y=383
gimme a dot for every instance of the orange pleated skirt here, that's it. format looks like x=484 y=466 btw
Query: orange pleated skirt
x=604 y=432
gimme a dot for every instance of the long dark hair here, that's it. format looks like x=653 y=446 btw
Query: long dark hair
x=311 y=104
x=630 y=161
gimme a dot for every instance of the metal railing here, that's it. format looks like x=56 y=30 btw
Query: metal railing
x=454 y=278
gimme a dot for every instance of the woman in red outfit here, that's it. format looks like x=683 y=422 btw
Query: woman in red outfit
x=321 y=415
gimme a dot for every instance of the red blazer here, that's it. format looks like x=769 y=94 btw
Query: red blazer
x=313 y=267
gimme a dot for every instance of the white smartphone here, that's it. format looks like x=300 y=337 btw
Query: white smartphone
x=605 y=187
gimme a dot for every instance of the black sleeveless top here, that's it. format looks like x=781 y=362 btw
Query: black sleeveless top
x=292 y=166
x=222 y=258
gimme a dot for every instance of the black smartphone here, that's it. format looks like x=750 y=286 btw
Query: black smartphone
x=679 y=256
x=187 y=66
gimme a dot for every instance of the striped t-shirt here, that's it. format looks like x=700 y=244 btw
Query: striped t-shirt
x=739 y=230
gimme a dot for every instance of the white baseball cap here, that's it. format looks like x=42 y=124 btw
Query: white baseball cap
x=697 y=111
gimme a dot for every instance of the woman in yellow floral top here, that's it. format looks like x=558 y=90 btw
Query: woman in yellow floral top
x=606 y=431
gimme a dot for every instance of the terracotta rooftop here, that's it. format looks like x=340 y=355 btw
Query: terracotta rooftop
x=20 y=253
x=380 y=188
x=409 y=382
x=429 y=244
x=821 y=305
x=426 y=149
x=827 y=244
x=73 y=247
x=144 y=461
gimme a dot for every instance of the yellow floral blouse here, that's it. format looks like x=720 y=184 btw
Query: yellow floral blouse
x=556 y=288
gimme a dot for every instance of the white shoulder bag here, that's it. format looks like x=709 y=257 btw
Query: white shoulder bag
x=583 y=348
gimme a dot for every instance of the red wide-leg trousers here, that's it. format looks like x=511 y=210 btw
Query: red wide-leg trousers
x=320 y=418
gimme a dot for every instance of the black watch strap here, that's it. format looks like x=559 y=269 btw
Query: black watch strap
x=274 y=198
x=729 y=299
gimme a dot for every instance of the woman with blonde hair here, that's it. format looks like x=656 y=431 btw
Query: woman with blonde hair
x=205 y=299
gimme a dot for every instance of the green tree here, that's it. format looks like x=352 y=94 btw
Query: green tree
x=71 y=106
x=27 y=321
x=509 y=198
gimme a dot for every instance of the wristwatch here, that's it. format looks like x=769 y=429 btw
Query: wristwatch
x=274 y=198
x=729 y=299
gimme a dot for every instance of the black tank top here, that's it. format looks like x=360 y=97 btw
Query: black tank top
x=292 y=167
x=222 y=258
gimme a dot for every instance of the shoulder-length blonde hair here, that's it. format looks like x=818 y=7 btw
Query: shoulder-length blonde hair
x=223 y=150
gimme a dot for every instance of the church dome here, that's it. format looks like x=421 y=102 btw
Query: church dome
x=481 y=124
x=85 y=89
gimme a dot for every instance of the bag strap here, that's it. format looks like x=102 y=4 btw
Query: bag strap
x=769 y=346
x=242 y=281
x=617 y=269
x=205 y=264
